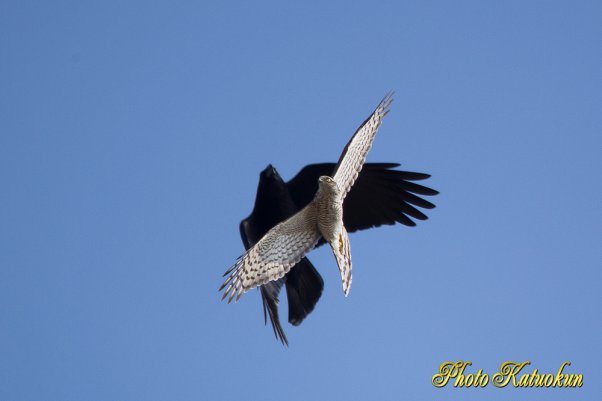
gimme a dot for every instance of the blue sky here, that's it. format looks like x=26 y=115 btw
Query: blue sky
x=131 y=141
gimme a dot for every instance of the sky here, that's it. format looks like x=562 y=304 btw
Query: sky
x=132 y=135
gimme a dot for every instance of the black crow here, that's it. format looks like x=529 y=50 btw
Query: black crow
x=380 y=195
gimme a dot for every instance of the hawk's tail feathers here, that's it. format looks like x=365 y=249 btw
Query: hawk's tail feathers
x=342 y=253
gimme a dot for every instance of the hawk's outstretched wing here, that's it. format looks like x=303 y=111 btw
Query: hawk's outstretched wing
x=274 y=255
x=354 y=155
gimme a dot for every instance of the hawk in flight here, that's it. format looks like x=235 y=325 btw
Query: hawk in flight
x=286 y=222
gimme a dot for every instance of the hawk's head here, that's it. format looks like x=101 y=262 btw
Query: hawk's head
x=327 y=185
x=326 y=180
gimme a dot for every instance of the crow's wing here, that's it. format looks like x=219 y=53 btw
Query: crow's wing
x=304 y=286
x=385 y=196
x=269 y=298
x=379 y=196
